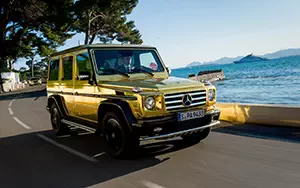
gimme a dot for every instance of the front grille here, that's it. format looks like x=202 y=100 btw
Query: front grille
x=174 y=101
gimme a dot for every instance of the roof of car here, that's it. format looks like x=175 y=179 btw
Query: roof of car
x=77 y=48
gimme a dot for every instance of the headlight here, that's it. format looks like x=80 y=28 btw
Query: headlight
x=149 y=103
x=211 y=94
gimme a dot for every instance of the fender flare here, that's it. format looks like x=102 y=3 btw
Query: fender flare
x=123 y=108
x=59 y=101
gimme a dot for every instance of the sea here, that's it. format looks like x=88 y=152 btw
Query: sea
x=275 y=81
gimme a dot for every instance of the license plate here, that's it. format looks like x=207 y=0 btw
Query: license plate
x=183 y=116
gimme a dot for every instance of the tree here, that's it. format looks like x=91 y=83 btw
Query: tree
x=22 y=20
x=30 y=28
x=106 y=20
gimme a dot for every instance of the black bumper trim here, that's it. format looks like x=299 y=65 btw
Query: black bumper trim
x=180 y=133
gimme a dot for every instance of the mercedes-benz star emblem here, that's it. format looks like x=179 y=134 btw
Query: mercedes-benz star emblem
x=187 y=100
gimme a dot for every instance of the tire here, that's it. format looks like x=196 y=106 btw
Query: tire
x=197 y=137
x=55 y=118
x=121 y=142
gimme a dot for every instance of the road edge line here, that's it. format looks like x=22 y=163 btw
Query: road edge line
x=150 y=184
x=10 y=111
x=21 y=123
x=70 y=150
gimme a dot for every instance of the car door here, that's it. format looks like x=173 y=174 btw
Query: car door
x=84 y=90
x=67 y=82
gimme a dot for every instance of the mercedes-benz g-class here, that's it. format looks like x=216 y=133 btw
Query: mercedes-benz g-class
x=126 y=94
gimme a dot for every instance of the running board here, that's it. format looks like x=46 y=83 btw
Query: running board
x=80 y=126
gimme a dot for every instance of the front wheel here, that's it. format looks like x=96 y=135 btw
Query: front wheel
x=197 y=137
x=120 y=140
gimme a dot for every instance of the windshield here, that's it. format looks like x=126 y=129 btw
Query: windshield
x=33 y=79
x=127 y=61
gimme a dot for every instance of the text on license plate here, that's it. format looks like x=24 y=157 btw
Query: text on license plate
x=183 y=116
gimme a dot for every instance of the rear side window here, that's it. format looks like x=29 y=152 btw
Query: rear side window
x=67 y=68
x=53 y=71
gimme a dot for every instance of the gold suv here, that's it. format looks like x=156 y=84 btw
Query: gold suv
x=126 y=94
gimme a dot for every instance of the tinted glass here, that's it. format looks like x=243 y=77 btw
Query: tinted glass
x=53 y=72
x=84 y=64
x=67 y=68
x=127 y=61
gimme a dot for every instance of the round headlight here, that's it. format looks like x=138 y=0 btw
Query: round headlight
x=211 y=94
x=149 y=103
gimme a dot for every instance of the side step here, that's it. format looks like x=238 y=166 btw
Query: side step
x=80 y=126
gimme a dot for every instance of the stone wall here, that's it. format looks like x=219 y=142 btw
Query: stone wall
x=211 y=76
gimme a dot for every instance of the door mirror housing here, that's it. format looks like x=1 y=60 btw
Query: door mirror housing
x=169 y=70
x=84 y=75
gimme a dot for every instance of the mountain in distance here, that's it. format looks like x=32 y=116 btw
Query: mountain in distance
x=283 y=53
x=223 y=60
x=250 y=58
x=194 y=64
x=228 y=60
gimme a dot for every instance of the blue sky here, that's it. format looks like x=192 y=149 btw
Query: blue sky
x=205 y=30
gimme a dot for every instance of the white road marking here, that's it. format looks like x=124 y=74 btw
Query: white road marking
x=85 y=133
x=64 y=136
x=99 y=154
x=10 y=111
x=21 y=123
x=11 y=102
x=150 y=184
x=70 y=150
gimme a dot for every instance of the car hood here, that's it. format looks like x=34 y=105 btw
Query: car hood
x=153 y=84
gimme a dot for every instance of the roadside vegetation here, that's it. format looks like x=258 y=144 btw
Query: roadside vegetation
x=33 y=29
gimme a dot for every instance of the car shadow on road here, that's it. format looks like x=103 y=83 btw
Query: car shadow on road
x=286 y=134
x=26 y=160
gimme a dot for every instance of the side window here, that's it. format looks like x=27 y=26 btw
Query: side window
x=53 y=71
x=83 y=64
x=148 y=60
x=67 y=67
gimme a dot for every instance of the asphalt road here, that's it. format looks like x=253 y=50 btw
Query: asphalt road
x=232 y=156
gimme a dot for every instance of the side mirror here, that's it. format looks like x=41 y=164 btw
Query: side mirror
x=169 y=70
x=83 y=77
x=86 y=77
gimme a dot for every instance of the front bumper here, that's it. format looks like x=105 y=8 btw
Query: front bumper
x=168 y=127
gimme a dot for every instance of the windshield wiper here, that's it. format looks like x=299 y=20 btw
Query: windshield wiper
x=117 y=71
x=145 y=71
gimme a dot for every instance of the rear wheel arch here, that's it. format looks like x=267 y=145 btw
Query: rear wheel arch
x=59 y=101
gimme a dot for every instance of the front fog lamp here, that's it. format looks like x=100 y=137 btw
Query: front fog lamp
x=149 y=103
x=211 y=94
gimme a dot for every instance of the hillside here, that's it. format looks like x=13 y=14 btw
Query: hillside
x=227 y=60
x=250 y=58
x=223 y=60
x=283 y=53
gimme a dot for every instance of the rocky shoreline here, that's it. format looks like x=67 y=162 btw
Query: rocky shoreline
x=209 y=75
